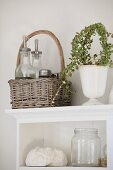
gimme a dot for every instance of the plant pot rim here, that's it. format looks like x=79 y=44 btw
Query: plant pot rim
x=96 y=66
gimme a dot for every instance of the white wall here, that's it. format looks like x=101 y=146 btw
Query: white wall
x=64 y=18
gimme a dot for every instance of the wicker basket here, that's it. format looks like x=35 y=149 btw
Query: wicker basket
x=42 y=92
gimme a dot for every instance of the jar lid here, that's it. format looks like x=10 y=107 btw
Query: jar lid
x=44 y=73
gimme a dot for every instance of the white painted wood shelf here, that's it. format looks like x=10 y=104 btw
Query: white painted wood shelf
x=62 y=168
x=59 y=114
x=34 y=119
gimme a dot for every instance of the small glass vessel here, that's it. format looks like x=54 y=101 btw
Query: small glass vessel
x=86 y=148
x=36 y=59
x=104 y=157
x=25 y=69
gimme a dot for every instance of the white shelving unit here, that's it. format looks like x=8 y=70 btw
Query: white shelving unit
x=60 y=168
x=24 y=121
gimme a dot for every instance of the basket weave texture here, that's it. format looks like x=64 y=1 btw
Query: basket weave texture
x=34 y=93
x=38 y=93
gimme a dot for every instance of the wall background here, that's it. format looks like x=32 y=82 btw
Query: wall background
x=62 y=17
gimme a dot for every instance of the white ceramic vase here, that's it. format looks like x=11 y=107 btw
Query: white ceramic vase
x=110 y=101
x=93 y=79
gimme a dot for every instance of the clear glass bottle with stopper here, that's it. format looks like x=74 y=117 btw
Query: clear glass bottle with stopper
x=36 y=59
x=24 y=70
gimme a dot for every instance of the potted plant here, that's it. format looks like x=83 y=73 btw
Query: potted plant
x=93 y=68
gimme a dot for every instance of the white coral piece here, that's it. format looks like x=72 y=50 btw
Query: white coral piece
x=46 y=157
x=39 y=157
x=59 y=158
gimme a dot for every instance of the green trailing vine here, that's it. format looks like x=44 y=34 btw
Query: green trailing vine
x=81 y=45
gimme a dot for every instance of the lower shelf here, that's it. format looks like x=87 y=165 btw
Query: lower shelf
x=62 y=168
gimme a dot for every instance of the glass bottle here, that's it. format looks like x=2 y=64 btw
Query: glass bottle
x=24 y=69
x=36 y=59
x=85 y=148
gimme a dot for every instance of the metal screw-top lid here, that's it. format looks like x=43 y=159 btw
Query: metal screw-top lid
x=39 y=52
x=45 y=73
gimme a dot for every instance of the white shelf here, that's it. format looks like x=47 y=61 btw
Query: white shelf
x=69 y=115
x=62 y=168
x=59 y=114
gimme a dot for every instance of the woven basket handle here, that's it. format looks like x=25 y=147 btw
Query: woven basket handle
x=60 y=50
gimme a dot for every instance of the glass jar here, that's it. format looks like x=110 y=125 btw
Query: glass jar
x=25 y=69
x=85 y=148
